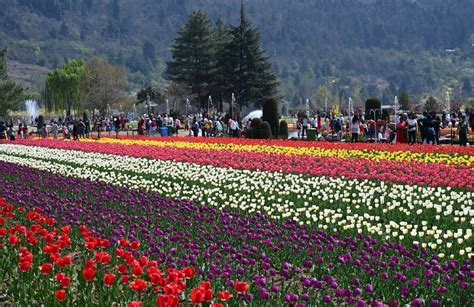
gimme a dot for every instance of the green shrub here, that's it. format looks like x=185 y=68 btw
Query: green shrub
x=283 y=129
x=255 y=123
x=265 y=130
x=254 y=131
x=373 y=103
x=270 y=114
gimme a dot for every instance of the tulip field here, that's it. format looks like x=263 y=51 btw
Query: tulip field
x=235 y=222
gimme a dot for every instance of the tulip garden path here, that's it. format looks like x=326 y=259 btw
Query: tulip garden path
x=231 y=222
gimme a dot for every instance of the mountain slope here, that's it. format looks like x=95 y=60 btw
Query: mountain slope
x=372 y=47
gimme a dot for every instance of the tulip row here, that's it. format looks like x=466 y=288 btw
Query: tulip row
x=416 y=173
x=286 y=263
x=316 y=151
x=440 y=218
x=43 y=263
x=304 y=144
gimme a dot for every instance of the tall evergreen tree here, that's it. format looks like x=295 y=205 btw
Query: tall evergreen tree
x=11 y=93
x=193 y=55
x=220 y=88
x=248 y=70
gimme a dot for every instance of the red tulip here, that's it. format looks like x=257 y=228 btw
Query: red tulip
x=197 y=295
x=166 y=301
x=143 y=260
x=60 y=295
x=123 y=242
x=134 y=245
x=13 y=240
x=241 y=286
x=124 y=279
x=134 y=304
x=24 y=265
x=65 y=282
x=189 y=272
x=122 y=269
x=109 y=279
x=59 y=276
x=217 y=305
x=88 y=274
x=225 y=295
x=46 y=268
x=89 y=264
x=137 y=270
x=138 y=285
x=3 y=232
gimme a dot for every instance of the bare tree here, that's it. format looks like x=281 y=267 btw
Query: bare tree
x=102 y=85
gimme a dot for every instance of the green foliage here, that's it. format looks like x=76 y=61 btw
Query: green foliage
x=265 y=130
x=373 y=103
x=369 y=43
x=466 y=87
x=12 y=94
x=149 y=93
x=431 y=105
x=270 y=114
x=404 y=101
x=255 y=123
x=192 y=54
x=283 y=129
x=259 y=129
x=62 y=87
x=254 y=131
x=102 y=85
x=248 y=70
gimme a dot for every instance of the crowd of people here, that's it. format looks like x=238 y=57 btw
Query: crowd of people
x=194 y=124
x=404 y=129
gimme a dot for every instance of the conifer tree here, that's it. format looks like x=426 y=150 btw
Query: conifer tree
x=193 y=56
x=248 y=71
x=11 y=93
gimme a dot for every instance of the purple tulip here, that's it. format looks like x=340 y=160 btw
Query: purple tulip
x=417 y=302
x=369 y=288
x=404 y=292
x=327 y=299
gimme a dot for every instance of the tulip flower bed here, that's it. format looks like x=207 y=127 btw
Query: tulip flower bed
x=282 y=261
x=43 y=263
x=419 y=173
x=301 y=223
x=439 y=218
x=451 y=155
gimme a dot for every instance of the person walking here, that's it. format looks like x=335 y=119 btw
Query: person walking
x=304 y=127
x=177 y=125
x=54 y=130
x=462 y=130
x=411 y=129
x=355 y=128
x=20 y=131
x=402 y=131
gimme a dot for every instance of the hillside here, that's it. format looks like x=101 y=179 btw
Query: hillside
x=372 y=47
